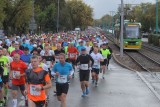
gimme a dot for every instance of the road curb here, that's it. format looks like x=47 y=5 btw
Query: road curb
x=139 y=74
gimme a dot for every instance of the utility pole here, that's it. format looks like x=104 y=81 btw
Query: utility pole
x=157 y=29
x=122 y=24
x=112 y=14
x=58 y=18
x=32 y=25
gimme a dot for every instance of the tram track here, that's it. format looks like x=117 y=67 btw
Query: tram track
x=149 y=47
x=146 y=74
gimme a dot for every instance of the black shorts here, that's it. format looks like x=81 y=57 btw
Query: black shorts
x=39 y=103
x=15 y=87
x=62 y=88
x=104 y=62
x=1 y=85
x=5 y=79
x=71 y=61
x=94 y=70
x=84 y=75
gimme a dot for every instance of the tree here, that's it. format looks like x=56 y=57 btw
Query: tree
x=2 y=13
x=80 y=13
x=18 y=15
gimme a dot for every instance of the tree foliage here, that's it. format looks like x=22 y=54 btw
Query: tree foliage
x=15 y=15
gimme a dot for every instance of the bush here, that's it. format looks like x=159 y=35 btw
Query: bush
x=150 y=38
x=155 y=39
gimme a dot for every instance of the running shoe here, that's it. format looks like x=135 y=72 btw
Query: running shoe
x=87 y=91
x=96 y=84
x=103 y=77
x=84 y=95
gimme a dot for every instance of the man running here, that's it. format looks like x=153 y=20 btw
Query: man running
x=96 y=66
x=17 y=74
x=38 y=81
x=63 y=72
x=17 y=50
x=105 y=53
x=84 y=65
x=4 y=63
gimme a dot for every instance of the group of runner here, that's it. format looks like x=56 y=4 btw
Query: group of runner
x=29 y=63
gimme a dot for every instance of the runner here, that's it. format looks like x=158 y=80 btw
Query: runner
x=4 y=62
x=1 y=87
x=48 y=55
x=105 y=53
x=17 y=74
x=6 y=77
x=17 y=50
x=63 y=72
x=72 y=55
x=26 y=56
x=85 y=66
x=57 y=52
x=37 y=84
x=87 y=46
x=11 y=48
x=96 y=66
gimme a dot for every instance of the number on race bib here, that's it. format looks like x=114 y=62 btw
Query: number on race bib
x=33 y=90
x=16 y=73
x=96 y=64
x=62 y=79
x=84 y=66
x=72 y=55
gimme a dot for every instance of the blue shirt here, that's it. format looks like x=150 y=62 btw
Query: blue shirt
x=24 y=45
x=26 y=58
x=65 y=44
x=80 y=47
x=30 y=47
x=62 y=69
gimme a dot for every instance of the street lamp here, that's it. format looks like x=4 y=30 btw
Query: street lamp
x=122 y=17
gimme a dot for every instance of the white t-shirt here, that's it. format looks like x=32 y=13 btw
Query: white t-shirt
x=96 y=58
x=51 y=53
x=88 y=48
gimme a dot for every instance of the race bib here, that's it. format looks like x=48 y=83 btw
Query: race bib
x=104 y=57
x=62 y=79
x=96 y=64
x=84 y=67
x=16 y=73
x=33 y=90
x=71 y=55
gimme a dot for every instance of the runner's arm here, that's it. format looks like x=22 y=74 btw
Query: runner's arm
x=48 y=83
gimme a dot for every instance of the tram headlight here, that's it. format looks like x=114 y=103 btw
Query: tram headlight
x=137 y=43
x=126 y=43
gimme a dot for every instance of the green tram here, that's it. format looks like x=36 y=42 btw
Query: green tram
x=132 y=35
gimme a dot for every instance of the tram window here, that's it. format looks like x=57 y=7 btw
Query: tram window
x=132 y=31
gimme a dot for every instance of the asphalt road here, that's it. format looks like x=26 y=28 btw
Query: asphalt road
x=120 y=88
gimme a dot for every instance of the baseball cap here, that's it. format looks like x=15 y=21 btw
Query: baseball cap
x=83 y=49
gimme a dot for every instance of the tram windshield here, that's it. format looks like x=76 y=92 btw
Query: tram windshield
x=132 y=32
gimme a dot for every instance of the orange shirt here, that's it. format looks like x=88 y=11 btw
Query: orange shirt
x=18 y=67
x=42 y=95
x=72 y=53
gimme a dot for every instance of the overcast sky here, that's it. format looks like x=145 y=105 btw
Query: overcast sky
x=102 y=7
